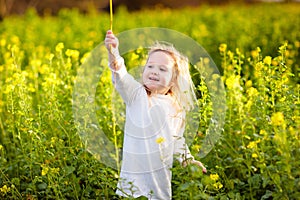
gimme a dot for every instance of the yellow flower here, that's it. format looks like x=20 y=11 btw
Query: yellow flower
x=251 y=145
x=196 y=147
x=262 y=132
x=277 y=119
x=84 y=57
x=45 y=169
x=254 y=155
x=230 y=55
x=222 y=48
x=233 y=82
x=72 y=53
x=2 y=42
x=36 y=62
x=1 y=147
x=15 y=39
x=252 y=92
x=268 y=60
x=55 y=170
x=214 y=177
x=59 y=47
x=248 y=84
x=160 y=140
x=216 y=77
x=15 y=49
x=255 y=53
x=50 y=56
x=5 y=189
x=218 y=185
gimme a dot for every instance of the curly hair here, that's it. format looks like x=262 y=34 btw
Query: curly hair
x=183 y=89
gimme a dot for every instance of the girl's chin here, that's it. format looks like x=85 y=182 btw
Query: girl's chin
x=154 y=88
x=151 y=87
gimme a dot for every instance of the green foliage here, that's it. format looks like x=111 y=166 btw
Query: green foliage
x=42 y=156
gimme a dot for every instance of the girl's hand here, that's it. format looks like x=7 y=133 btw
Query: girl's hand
x=195 y=162
x=111 y=40
x=112 y=45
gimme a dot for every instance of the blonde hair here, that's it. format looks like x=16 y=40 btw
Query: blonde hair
x=183 y=88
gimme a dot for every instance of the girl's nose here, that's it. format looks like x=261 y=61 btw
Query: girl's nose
x=154 y=71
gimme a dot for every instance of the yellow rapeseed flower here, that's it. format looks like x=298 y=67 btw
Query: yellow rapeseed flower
x=277 y=119
x=84 y=57
x=268 y=60
x=230 y=55
x=196 y=147
x=72 y=53
x=214 y=177
x=15 y=39
x=248 y=84
x=45 y=169
x=36 y=62
x=1 y=147
x=232 y=82
x=255 y=53
x=254 y=155
x=55 y=170
x=2 y=42
x=222 y=48
x=251 y=145
x=252 y=92
x=50 y=56
x=160 y=140
x=5 y=189
x=59 y=47
x=218 y=185
x=262 y=132
x=216 y=77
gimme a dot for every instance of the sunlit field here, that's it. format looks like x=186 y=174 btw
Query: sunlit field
x=256 y=49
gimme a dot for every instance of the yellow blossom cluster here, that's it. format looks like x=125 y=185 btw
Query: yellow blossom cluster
x=214 y=177
x=5 y=189
x=46 y=169
x=277 y=119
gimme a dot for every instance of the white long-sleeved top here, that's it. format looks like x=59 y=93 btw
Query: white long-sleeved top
x=153 y=135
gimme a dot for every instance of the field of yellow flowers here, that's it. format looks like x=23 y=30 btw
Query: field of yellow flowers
x=256 y=49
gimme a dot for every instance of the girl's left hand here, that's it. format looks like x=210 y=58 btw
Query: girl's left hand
x=196 y=162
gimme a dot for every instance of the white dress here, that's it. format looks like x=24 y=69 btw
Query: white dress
x=153 y=135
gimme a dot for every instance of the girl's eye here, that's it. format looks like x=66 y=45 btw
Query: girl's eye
x=150 y=66
x=163 y=70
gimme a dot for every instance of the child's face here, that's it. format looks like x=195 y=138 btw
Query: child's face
x=158 y=72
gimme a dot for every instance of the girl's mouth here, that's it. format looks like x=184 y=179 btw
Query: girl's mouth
x=151 y=78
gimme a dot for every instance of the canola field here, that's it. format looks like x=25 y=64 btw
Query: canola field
x=256 y=49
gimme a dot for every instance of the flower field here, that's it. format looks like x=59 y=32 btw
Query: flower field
x=256 y=49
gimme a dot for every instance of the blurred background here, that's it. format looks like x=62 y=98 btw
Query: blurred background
x=9 y=7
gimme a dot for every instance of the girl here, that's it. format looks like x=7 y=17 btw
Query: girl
x=155 y=119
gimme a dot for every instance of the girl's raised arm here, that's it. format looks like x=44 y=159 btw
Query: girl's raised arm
x=126 y=85
x=112 y=45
